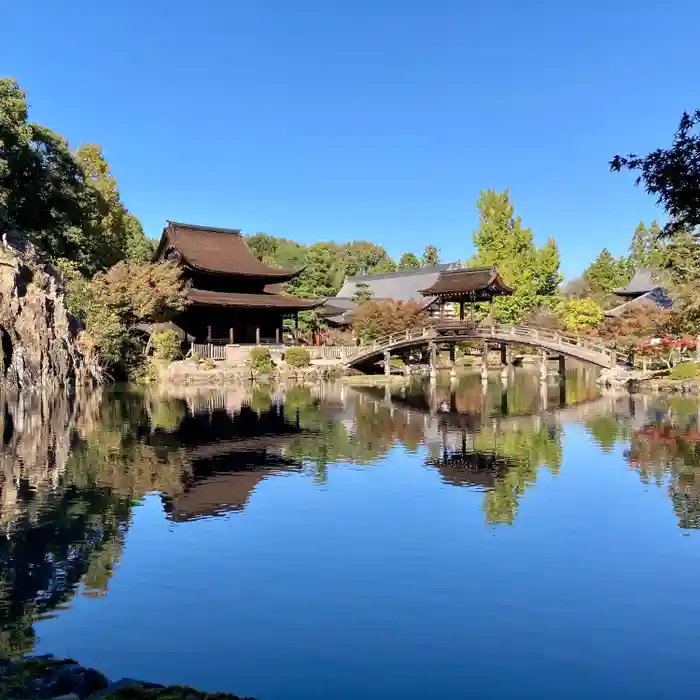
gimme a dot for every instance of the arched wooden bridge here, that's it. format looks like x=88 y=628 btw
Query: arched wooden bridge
x=586 y=350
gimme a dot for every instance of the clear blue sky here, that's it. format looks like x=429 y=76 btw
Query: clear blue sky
x=375 y=119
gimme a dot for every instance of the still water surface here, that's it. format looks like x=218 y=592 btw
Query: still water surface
x=325 y=542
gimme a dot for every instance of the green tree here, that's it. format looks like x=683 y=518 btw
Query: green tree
x=383 y=267
x=672 y=175
x=604 y=274
x=646 y=247
x=44 y=194
x=409 y=261
x=431 y=256
x=578 y=314
x=115 y=233
x=362 y=292
x=503 y=241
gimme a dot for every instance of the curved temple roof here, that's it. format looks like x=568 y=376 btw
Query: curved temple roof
x=477 y=283
x=642 y=282
x=259 y=301
x=217 y=250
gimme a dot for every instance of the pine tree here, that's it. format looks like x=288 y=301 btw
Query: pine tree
x=431 y=256
x=639 y=248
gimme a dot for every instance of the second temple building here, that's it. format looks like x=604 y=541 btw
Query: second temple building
x=234 y=297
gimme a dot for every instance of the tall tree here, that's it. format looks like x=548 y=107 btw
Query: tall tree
x=604 y=274
x=44 y=194
x=114 y=234
x=431 y=256
x=646 y=246
x=672 y=175
x=503 y=241
x=409 y=261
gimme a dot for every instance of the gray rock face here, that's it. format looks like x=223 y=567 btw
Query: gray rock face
x=38 y=337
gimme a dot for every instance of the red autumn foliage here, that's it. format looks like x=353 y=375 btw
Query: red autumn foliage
x=374 y=319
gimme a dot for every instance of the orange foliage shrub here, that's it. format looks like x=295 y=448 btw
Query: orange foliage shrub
x=374 y=319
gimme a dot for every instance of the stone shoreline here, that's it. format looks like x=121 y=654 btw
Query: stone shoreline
x=64 y=679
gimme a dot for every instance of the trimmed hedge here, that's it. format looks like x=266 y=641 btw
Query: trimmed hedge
x=260 y=360
x=297 y=357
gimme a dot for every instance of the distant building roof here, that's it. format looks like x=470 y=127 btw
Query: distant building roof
x=404 y=285
x=642 y=282
x=482 y=282
x=399 y=286
x=217 y=250
x=656 y=297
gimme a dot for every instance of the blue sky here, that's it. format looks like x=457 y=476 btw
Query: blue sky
x=374 y=119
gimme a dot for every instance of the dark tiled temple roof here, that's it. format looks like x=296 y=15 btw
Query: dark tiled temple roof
x=258 y=301
x=656 y=297
x=483 y=282
x=642 y=282
x=217 y=250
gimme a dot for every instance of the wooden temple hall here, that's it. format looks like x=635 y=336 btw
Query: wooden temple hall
x=470 y=286
x=234 y=297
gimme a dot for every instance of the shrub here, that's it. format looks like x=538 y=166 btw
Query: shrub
x=260 y=360
x=685 y=370
x=166 y=345
x=579 y=314
x=207 y=364
x=297 y=357
x=397 y=363
x=375 y=319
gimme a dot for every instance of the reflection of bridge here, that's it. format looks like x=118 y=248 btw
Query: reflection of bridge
x=451 y=419
x=562 y=344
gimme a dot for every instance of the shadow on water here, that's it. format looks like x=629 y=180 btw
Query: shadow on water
x=73 y=469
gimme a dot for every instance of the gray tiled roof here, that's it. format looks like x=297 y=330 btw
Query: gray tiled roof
x=399 y=286
x=656 y=297
x=642 y=282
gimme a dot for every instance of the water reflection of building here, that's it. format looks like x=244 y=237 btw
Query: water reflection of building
x=229 y=455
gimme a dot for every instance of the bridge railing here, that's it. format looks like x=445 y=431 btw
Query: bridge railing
x=532 y=333
x=528 y=334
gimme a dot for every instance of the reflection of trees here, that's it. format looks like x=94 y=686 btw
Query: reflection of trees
x=607 y=431
x=66 y=512
x=669 y=451
x=523 y=452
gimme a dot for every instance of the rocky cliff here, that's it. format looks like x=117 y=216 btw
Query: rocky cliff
x=39 y=338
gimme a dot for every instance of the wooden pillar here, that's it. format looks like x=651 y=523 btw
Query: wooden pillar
x=471 y=306
x=543 y=365
x=461 y=315
x=257 y=335
x=562 y=366
x=504 y=355
x=230 y=336
x=491 y=313
x=277 y=336
x=433 y=360
x=485 y=361
x=453 y=366
x=208 y=334
x=387 y=363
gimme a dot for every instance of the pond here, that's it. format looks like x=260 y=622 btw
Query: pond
x=288 y=542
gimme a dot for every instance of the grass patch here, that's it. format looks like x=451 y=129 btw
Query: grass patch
x=686 y=370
